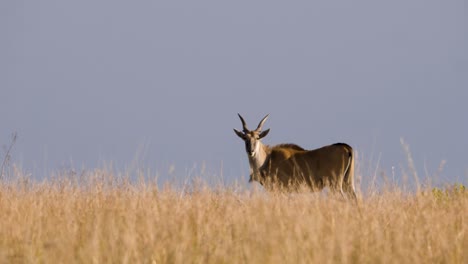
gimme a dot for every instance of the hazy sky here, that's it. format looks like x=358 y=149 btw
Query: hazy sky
x=87 y=82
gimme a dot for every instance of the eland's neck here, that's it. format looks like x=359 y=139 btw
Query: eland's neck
x=257 y=161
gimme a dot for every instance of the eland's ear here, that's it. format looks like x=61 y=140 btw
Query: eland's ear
x=239 y=134
x=264 y=133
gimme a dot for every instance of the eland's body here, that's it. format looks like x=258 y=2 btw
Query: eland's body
x=289 y=166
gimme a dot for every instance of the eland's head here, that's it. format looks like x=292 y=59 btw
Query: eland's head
x=252 y=137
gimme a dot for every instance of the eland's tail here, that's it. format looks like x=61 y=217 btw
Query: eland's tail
x=348 y=179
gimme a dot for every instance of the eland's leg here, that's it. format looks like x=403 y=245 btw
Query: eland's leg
x=349 y=190
x=336 y=188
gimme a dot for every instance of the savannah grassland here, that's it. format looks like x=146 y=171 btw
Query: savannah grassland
x=102 y=218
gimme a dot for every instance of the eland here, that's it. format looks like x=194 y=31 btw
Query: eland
x=289 y=166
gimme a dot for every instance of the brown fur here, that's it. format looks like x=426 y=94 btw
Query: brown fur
x=288 y=166
x=288 y=146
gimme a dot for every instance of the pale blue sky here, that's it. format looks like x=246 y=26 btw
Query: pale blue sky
x=101 y=81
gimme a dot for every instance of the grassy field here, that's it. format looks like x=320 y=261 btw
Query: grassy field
x=98 y=218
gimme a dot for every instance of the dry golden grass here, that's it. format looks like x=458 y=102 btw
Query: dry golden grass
x=99 y=219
